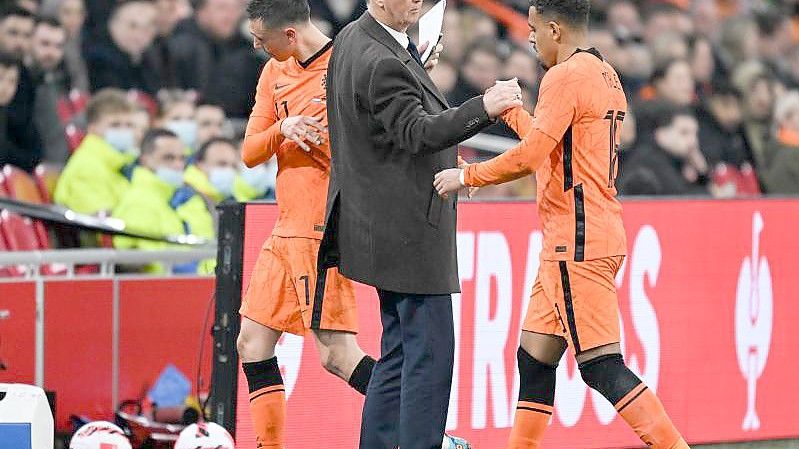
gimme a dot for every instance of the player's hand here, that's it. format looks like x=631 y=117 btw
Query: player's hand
x=432 y=60
x=301 y=129
x=501 y=97
x=448 y=181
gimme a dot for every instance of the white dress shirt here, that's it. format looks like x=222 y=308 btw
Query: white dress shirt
x=400 y=37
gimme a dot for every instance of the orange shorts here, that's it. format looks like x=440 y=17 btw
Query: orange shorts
x=576 y=300
x=281 y=290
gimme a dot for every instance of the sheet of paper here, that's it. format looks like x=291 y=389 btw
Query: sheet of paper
x=430 y=26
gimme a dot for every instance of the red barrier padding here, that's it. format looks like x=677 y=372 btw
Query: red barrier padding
x=707 y=310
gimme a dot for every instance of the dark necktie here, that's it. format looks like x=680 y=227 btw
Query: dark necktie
x=415 y=52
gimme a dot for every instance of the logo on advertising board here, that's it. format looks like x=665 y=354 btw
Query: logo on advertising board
x=753 y=321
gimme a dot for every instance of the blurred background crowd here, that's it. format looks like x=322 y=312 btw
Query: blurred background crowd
x=135 y=108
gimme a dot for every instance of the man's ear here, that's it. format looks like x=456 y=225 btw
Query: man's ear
x=554 y=28
x=291 y=34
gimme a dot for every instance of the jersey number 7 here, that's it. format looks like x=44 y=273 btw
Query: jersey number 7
x=616 y=118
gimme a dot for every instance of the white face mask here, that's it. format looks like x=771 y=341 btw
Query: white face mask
x=223 y=180
x=122 y=139
x=170 y=176
x=186 y=130
x=261 y=177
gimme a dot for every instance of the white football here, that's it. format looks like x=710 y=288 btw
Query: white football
x=99 y=435
x=207 y=435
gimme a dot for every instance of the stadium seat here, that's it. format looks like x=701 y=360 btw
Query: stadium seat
x=46 y=179
x=18 y=232
x=5 y=271
x=22 y=187
x=71 y=105
x=75 y=136
x=22 y=233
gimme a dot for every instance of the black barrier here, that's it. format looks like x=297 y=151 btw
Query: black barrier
x=225 y=364
x=59 y=215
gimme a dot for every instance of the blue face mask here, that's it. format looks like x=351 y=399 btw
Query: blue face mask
x=261 y=177
x=223 y=180
x=170 y=176
x=186 y=131
x=122 y=139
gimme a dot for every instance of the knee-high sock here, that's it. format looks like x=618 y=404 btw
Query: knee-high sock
x=637 y=404
x=359 y=379
x=267 y=402
x=536 y=397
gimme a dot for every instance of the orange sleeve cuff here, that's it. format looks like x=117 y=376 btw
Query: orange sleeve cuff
x=519 y=120
x=259 y=147
x=521 y=160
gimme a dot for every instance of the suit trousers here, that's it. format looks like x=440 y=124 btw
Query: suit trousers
x=408 y=395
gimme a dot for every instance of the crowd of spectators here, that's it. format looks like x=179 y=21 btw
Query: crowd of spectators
x=711 y=86
x=151 y=96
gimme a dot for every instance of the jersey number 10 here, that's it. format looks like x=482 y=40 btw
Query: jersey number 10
x=616 y=118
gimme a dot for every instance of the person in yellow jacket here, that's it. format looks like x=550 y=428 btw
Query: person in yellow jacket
x=94 y=178
x=154 y=206
x=215 y=170
x=256 y=183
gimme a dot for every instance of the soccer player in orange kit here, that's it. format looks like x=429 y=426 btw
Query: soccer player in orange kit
x=572 y=144
x=289 y=120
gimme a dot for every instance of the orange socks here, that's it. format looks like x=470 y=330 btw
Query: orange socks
x=267 y=402
x=644 y=413
x=636 y=403
x=529 y=425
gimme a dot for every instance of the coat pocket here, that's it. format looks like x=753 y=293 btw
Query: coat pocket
x=434 y=209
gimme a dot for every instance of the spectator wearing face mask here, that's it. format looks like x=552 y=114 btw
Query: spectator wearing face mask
x=673 y=164
x=150 y=206
x=16 y=30
x=123 y=61
x=177 y=113
x=214 y=171
x=257 y=183
x=783 y=175
x=52 y=83
x=211 y=56
x=9 y=79
x=94 y=179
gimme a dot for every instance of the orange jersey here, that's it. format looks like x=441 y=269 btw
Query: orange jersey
x=286 y=89
x=572 y=144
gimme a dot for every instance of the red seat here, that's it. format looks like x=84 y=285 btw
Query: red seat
x=18 y=232
x=22 y=233
x=71 y=105
x=75 y=136
x=5 y=271
x=21 y=186
x=46 y=180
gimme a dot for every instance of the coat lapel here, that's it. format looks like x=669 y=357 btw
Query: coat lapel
x=377 y=32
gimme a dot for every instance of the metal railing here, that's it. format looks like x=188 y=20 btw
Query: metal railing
x=490 y=143
x=30 y=262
